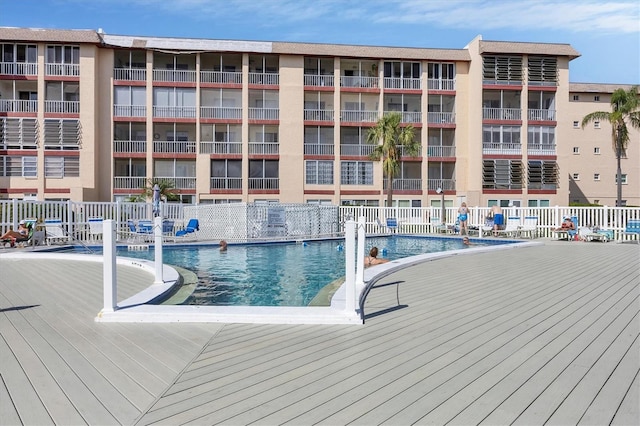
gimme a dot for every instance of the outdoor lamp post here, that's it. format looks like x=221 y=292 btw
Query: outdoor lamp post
x=442 y=212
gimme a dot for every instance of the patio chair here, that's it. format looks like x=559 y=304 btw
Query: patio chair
x=632 y=228
x=30 y=224
x=530 y=227
x=512 y=227
x=437 y=227
x=55 y=233
x=190 y=230
x=140 y=233
x=95 y=228
x=569 y=233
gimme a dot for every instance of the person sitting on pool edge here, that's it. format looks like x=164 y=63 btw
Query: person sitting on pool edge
x=372 y=259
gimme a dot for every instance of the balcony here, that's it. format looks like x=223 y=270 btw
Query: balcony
x=221 y=148
x=179 y=182
x=221 y=113
x=62 y=107
x=356 y=150
x=226 y=183
x=352 y=81
x=441 y=151
x=441 y=117
x=541 y=149
x=262 y=148
x=444 y=184
x=130 y=147
x=18 y=68
x=402 y=150
x=318 y=115
x=264 y=78
x=362 y=116
x=404 y=184
x=491 y=148
x=174 y=147
x=221 y=77
x=319 y=80
x=264 y=183
x=174 y=112
x=13 y=105
x=501 y=113
x=543 y=186
x=264 y=113
x=408 y=117
x=442 y=84
x=129 y=182
x=402 y=83
x=129 y=111
x=318 y=149
x=66 y=70
x=174 y=76
x=130 y=74
x=541 y=115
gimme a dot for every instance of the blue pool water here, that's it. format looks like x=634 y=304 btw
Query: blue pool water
x=281 y=274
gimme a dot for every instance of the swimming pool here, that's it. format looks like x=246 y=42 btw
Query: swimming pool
x=279 y=274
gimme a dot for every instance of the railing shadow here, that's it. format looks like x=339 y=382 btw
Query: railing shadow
x=370 y=286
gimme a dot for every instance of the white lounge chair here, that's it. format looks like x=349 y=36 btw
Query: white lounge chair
x=55 y=233
x=529 y=227
x=95 y=228
x=512 y=227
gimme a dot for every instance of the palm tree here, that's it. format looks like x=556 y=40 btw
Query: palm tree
x=166 y=190
x=390 y=140
x=624 y=108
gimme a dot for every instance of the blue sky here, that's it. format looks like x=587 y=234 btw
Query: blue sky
x=606 y=33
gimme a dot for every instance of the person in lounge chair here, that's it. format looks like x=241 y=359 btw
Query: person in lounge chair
x=567 y=225
x=20 y=234
x=372 y=259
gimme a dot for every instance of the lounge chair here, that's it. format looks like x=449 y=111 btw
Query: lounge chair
x=437 y=227
x=30 y=224
x=512 y=227
x=55 y=233
x=190 y=230
x=138 y=234
x=530 y=227
x=95 y=228
x=632 y=228
x=569 y=233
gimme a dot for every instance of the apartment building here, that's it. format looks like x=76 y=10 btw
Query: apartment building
x=89 y=116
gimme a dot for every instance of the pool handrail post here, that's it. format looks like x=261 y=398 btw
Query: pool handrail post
x=360 y=253
x=110 y=282
x=349 y=260
x=157 y=232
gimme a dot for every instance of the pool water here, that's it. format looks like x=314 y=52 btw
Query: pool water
x=280 y=274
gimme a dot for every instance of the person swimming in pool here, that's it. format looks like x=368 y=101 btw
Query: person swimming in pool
x=373 y=259
x=463 y=216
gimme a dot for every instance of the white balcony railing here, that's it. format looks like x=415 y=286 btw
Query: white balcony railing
x=352 y=81
x=129 y=111
x=404 y=184
x=402 y=83
x=220 y=147
x=221 y=77
x=226 y=183
x=541 y=115
x=366 y=116
x=357 y=150
x=174 y=112
x=70 y=70
x=18 y=68
x=441 y=151
x=442 y=84
x=130 y=146
x=541 y=149
x=318 y=114
x=501 y=148
x=408 y=117
x=129 y=182
x=264 y=78
x=62 y=107
x=404 y=152
x=264 y=113
x=269 y=148
x=130 y=74
x=178 y=76
x=444 y=184
x=502 y=113
x=11 y=105
x=179 y=182
x=264 y=183
x=223 y=113
x=441 y=117
x=177 y=147
x=318 y=148
x=319 y=80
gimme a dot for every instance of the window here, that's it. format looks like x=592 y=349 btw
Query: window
x=576 y=176
x=502 y=69
x=623 y=178
x=59 y=167
x=596 y=98
x=263 y=174
x=542 y=175
x=538 y=203
x=576 y=150
x=62 y=134
x=18 y=133
x=543 y=70
x=319 y=172
x=19 y=166
x=596 y=124
x=576 y=97
x=541 y=137
x=502 y=174
x=596 y=151
x=576 y=124
x=596 y=176
x=356 y=173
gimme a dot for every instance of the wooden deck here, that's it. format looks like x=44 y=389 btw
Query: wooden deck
x=545 y=334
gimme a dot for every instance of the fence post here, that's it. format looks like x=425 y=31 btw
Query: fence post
x=157 y=231
x=360 y=253
x=110 y=282
x=349 y=259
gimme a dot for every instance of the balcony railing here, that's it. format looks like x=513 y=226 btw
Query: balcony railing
x=541 y=115
x=318 y=114
x=540 y=185
x=179 y=182
x=18 y=68
x=69 y=70
x=358 y=150
x=130 y=146
x=366 y=116
x=62 y=107
x=441 y=151
x=502 y=82
x=174 y=112
x=264 y=78
x=442 y=84
x=402 y=83
x=11 y=105
x=403 y=151
x=269 y=148
x=129 y=182
x=441 y=117
x=408 y=117
x=502 y=113
x=220 y=147
x=404 y=184
x=541 y=149
x=221 y=77
x=223 y=113
x=264 y=183
x=318 y=148
x=319 y=80
x=226 y=183
x=444 y=184
x=352 y=81
x=501 y=148
x=130 y=74
x=177 y=147
x=129 y=111
x=264 y=113
x=177 y=76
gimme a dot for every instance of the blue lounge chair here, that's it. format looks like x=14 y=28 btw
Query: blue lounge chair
x=632 y=228
x=192 y=226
